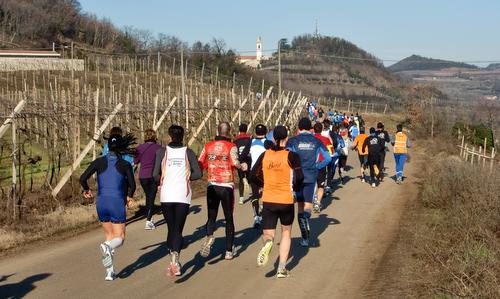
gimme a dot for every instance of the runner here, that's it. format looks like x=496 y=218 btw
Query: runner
x=338 y=148
x=327 y=133
x=175 y=167
x=276 y=170
x=242 y=141
x=116 y=187
x=375 y=146
x=323 y=172
x=363 y=155
x=220 y=157
x=344 y=152
x=382 y=134
x=401 y=145
x=146 y=158
x=309 y=149
x=252 y=153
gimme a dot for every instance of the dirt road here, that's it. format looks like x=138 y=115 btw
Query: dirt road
x=350 y=236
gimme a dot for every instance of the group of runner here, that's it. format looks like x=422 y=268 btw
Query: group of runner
x=280 y=169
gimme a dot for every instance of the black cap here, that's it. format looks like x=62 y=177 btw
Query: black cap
x=305 y=124
x=243 y=128
x=280 y=133
x=260 y=130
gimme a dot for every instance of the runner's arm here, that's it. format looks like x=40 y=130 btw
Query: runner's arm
x=157 y=167
x=196 y=172
x=233 y=155
x=129 y=172
x=294 y=162
x=202 y=159
x=87 y=174
x=256 y=174
x=365 y=144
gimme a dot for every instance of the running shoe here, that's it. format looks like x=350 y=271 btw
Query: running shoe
x=230 y=254
x=328 y=190
x=107 y=256
x=150 y=225
x=282 y=273
x=374 y=185
x=242 y=199
x=304 y=242
x=174 y=269
x=256 y=222
x=317 y=207
x=263 y=256
x=110 y=275
x=206 y=246
x=362 y=180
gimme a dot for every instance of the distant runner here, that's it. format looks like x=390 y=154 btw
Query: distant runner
x=175 y=167
x=116 y=187
x=219 y=158
x=362 y=154
x=322 y=180
x=382 y=134
x=146 y=153
x=309 y=148
x=276 y=170
x=252 y=153
x=401 y=145
x=242 y=141
x=375 y=146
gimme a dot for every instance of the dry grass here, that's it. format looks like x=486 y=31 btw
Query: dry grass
x=457 y=246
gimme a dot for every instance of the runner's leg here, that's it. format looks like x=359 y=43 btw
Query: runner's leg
x=212 y=209
x=241 y=185
x=150 y=189
x=227 y=200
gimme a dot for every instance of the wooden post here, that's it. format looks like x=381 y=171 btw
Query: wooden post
x=462 y=147
x=349 y=106
x=385 y=108
x=162 y=118
x=200 y=127
x=238 y=112
x=156 y=109
x=87 y=148
x=492 y=161
x=96 y=119
x=14 y=172
x=9 y=119
x=472 y=155
x=272 y=110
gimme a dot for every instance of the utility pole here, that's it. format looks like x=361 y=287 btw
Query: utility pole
x=72 y=65
x=279 y=70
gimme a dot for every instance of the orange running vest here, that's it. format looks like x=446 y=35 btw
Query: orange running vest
x=278 y=176
x=400 y=143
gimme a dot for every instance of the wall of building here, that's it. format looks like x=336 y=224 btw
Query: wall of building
x=8 y=64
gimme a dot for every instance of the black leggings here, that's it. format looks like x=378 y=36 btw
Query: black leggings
x=225 y=196
x=241 y=185
x=175 y=215
x=150 y=189
x=382 y=160
x=255 y=199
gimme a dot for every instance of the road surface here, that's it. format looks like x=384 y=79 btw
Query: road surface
x=350 y=237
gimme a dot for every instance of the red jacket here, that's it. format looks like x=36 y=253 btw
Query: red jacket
x=219 y=157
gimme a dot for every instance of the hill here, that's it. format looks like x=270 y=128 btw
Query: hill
x=419 y=63
x=330 y=66
x=493 y=66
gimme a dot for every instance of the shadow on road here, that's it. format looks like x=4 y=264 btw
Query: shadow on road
x=297 y=252
x=22 y=288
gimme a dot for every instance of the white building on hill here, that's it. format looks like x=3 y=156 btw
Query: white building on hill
x=254 y=61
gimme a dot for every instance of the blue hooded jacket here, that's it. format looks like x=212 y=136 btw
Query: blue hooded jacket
x=309 y=148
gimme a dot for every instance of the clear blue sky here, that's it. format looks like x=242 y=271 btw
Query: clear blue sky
x=461 y=30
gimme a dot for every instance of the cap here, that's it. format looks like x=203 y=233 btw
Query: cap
x=260 y=130
x=280 y=133
x=243 y=128
x=305 y=124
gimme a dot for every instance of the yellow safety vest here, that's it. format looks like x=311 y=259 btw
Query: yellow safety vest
x=400 y=143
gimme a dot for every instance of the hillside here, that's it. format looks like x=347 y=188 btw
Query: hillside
x=493 y=66
x=330 y=66
x=416 y=63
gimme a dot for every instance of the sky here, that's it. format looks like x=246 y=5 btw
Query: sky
x=459 y=30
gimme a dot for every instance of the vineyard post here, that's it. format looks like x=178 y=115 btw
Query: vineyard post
x=87 y=148
x=96 y=119
x=262 y=104
x=162 y=117
x=14 y=173
x=9 y=119
x=200 y=127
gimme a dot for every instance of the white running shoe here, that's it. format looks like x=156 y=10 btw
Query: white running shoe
x=110 y=275
x=150 y=225
x=107 y=256
x=374 y=185
x=230 y=254
x=242 y=199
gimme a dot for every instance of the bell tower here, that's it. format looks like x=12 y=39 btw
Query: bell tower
x=258 y=52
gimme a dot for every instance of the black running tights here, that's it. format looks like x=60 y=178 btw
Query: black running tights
x=224 y=196
x=150 y=189
x=175 y=215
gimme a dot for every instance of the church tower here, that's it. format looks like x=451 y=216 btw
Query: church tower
x=258 y=52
